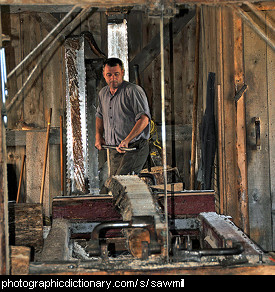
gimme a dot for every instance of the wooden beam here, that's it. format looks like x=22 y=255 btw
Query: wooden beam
x=63 y=268
x=114 y=3
x=254 y=26
x=4 y=237
x=47 y=53
x=195 y=102
x=240 y=126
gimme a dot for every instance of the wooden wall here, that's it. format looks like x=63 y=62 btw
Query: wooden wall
x=220 y=31
x=217 y=49
x=179 y=84
x=46 y=90
x=259 y=73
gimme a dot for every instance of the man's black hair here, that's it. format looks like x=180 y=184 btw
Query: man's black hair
x=112 y=62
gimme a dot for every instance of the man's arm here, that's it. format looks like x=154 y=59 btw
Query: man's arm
x=140 y=125
x=99 y=140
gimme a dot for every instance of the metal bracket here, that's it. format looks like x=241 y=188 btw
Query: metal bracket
x=240 y=92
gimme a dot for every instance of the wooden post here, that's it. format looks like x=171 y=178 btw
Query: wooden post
x=20 y=179
x=240 y=126
x=61 y=156
x=45 y=157
x=4 y=238
x=195 y=102
x=220 y=150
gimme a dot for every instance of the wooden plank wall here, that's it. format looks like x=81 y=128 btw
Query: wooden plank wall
x=47 y=90
x=179 y=84
x=259 y=75
x=216 y=55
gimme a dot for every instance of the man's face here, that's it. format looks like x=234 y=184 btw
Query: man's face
x=113 y=76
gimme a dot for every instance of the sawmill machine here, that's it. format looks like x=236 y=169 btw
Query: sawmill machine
x=128 y=229
x=136 y=221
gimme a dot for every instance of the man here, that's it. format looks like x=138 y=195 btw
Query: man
x=123 y=120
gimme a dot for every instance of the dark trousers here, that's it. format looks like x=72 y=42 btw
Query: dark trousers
x=130 y=162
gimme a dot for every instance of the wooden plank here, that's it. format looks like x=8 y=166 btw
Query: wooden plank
x=86 y=208
x=258 y=158
x=195 y=101
x=111 y=3
x=240 y=126
x=231 y=196
x=13 y=49
x=271 y=114
x=56 y=245
x=189 y=193
x=224 y=233
x=34 y=165
x=26 y=225
x=17 y=138
x=62 y=269
x=33 y=100
x=20 y=260
x=170 y=187
x=4 y=268
x=189 y=204
x=4 y=237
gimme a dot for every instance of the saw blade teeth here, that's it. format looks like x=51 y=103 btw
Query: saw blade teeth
x=76 y=114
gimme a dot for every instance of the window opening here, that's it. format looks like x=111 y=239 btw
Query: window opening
x=118 y=43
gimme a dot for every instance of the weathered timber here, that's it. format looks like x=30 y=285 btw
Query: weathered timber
x=222 y=232
x=240 y=126
x=172 y=187
x=34 y=170
x=20 y=260
x=157 y=171
x=18 y=137
x=85 y=208
x=56 y=244
x=120 y=3
x=259 y=103
x=133 y=199
x=102 y=208
x=189 y=203
x=26 y=225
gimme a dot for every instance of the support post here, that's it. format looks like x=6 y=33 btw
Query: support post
x=195 y=102
x=240 y=126
x=4 y=235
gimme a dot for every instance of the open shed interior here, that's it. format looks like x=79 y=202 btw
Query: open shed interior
x=208 y=72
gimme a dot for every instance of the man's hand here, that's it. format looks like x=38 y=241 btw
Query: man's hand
x=99 y=142
x=122 y=144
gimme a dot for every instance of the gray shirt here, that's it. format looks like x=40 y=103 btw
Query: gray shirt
x=121 y=111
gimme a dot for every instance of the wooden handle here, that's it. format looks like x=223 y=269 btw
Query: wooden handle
x=20 y=179
x=61 y=156
x=45 y=157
